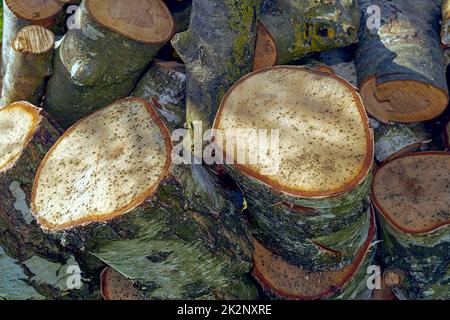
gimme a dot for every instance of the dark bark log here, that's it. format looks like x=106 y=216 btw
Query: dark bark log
x=401 y=71
x=217 y=49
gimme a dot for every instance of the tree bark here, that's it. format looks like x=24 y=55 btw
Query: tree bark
x=290 y=30
x=44 y=263
x=156 y=242
x=217 y=50
x=84 y=79
x=401 y=72
x=285 y=281
x=30 y=65
x=445 y=32
x=164 y=85
x=415 y=245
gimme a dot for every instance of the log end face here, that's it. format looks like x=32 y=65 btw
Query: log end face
x=18 y=123
x=413 y=192
x=102 y=167
x=115 y=286
x=146 y=21
x=35 y=10
x=33 y=40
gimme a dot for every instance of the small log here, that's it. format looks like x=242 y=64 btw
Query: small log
x=164 y=85
x=125 y=203
x=285 y=281
x=25 y=137
x=307 y=193
x=30 y=65
x=290 y=30
x=401 y=68
x=103 y=59
x=412 y=197
x=18 y=14
x=115 y=286
x=217 y=50
x=394 y=140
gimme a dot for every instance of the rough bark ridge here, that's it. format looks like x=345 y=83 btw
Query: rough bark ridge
x=44 y=262
x=94 y=67
x=291 y=29
x=217 y=49
x=401 y=72
x=30 y=64
x=164 y=86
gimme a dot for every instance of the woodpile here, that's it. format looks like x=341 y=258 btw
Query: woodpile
x=224 y=149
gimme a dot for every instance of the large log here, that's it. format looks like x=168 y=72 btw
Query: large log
x=119 y=197
x=217 y=49
x=412 y=197
x=164 y=85
x=290 y=29
x=401 y=68
x=283 y=280
x=102 y=60
x=25 y=137
x=29 y=66
x=18 y=14
x=307 y=193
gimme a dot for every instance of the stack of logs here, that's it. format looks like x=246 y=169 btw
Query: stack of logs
x=338 y=112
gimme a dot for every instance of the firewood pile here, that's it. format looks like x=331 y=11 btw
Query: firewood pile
x=225 y=149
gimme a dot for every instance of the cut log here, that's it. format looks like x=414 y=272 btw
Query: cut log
x=394 y=140
x=164 y=85
x=291 y=30
x=283 y=280
x=21 y=13
x=445 y=25
x=25 y=137
x=115 y=286
x=124 y=202
x=112 y=33
x=30 y=65
x=307 y=192
x=401 y=68
x=412 y=197
x=217 y=50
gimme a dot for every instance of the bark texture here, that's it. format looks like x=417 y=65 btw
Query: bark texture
x=164 y=85
x=400 y=65
x=217 y=50
x=292 y=29
x=445 y=25
x=93 y=67
x=28 y=69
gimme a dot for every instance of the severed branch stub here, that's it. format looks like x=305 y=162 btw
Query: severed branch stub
x=412 y=198
x=289 y=29
x=30 y=65
x=102 y=59
x=307 y=178
x=115 y=286
x=401 y=67
x=119 y=197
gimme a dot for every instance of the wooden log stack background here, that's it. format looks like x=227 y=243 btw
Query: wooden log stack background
x=97 y=95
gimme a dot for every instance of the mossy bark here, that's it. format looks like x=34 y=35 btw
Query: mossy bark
x=93 y=67
x=299 y=28
x=26 y=76
x=186 y=242
x=164 y=86
x=316 y=234
x=39 y=256
x=422 y=260
x=217 y=50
